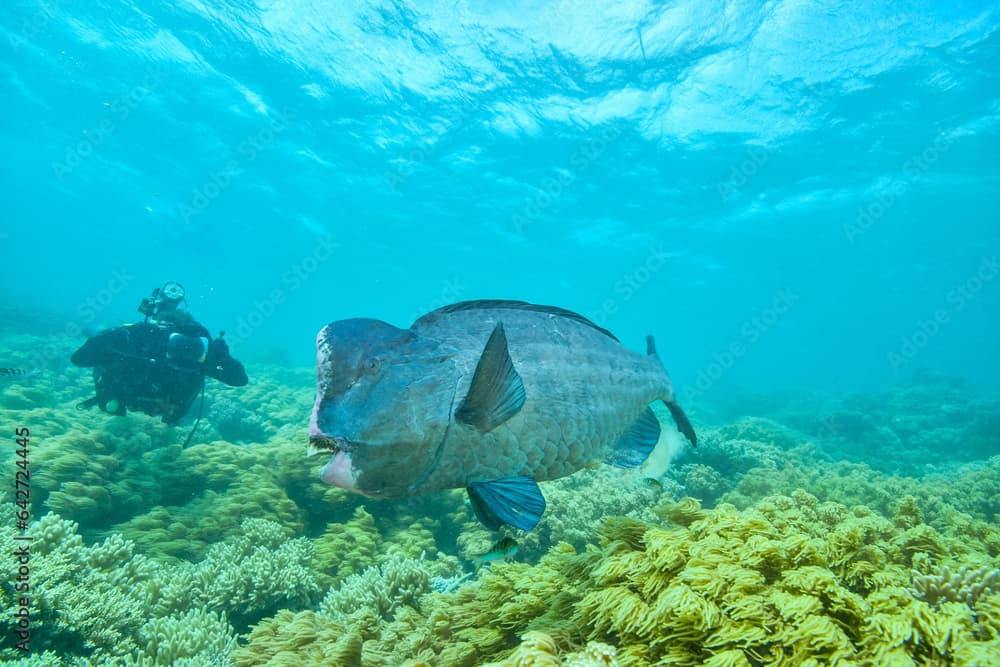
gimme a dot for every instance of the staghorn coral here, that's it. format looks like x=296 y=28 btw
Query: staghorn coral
x=247 y=577
x=193 y=638
x=381 y=589
x=85 y=600
x=965 y=584
x=107 y=603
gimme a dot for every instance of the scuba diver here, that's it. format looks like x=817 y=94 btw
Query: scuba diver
x=157 y=366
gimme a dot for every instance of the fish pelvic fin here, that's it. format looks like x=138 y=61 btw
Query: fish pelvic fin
x=514 y=501
x=633 y=448
x=496 y=393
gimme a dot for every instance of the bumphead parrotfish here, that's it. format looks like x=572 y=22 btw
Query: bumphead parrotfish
x=491 y=396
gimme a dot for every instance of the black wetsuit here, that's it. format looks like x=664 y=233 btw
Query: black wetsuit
x=133 y=368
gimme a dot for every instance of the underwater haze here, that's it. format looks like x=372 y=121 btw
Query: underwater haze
x=669 y=169
x=800 y=201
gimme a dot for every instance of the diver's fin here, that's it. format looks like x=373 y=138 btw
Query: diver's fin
x=515 y=501
x=496 y=393
x=637 y=442
x=682 y=421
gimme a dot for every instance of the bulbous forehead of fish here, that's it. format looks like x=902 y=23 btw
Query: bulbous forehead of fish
x=345 y=350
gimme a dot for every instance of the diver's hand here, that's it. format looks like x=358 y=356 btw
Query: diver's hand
x=218 y=350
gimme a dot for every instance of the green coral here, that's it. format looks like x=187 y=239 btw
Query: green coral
x=790 y=581
x=247 y=577
x=106 y=602
x=194 y=638
x=381 y=589
x=346 y=548
x=86 y=600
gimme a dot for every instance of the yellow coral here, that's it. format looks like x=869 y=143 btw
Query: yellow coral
x=730 y=658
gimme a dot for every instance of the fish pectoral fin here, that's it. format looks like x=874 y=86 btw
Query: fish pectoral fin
x=683 y=423
x=637 y=442
x=515 y=501
x=496 y=393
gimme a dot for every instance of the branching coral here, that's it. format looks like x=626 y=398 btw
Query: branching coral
x=965 y=584
x=247 y=577
x=381 y=589
x=193 y=638
x=85 y=600
x=865 y=569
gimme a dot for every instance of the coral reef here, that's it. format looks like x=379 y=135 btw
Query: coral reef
x=191 y=638
x=85 y=599
x=964 y=584
x=381 y=589
x=236 y=422
x=106 y=602
x=790 y=581
x=247 y=577
x=537 y=649
x=784 y=554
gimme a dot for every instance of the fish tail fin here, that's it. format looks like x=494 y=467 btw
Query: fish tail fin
x=680 y=418
x=682 y=421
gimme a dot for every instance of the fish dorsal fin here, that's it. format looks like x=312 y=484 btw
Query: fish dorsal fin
x=633 y=448
x=496 y=304
x=496 y=393
x=514 y=501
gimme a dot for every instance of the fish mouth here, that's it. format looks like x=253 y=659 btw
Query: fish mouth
x=339 y=470
x=324 y=444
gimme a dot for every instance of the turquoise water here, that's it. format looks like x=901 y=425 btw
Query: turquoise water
x=664 y=169
x=800 y=201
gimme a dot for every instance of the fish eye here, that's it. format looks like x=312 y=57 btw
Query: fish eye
x=373 y=365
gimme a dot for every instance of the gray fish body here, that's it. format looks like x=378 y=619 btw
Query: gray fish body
x=398 y=407
x=583 y=390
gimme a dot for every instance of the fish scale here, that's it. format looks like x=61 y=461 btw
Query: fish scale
x=492 y=396
x=577 y=402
